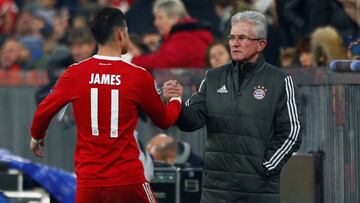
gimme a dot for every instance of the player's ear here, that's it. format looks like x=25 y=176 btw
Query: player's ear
x=118 y=34
x=122 y=33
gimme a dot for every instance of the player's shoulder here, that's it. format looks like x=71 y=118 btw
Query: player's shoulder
x=77 y=65
x=81 y=63
x=275 y=72
x=138 y=71
x=135 y=67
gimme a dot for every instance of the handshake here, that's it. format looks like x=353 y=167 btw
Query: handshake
x=172 y=88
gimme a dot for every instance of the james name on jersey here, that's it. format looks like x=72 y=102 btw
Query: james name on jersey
x=105 y=79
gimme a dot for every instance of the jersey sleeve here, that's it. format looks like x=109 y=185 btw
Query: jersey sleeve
x=193 y=114
x=287 y=129
x=150 y=101
x=59 y=97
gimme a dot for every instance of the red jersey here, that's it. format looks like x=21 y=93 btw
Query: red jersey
x=106 y=93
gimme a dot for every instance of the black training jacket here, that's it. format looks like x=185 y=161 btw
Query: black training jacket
x=252 y=114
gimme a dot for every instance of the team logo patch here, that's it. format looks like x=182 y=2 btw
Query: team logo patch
x=157 y=88
x=259 y=92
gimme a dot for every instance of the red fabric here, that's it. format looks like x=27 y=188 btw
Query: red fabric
x=14 y=67
x=102 y=160
x=117 y=3
x=184 y=49
x=136 y=193
x=8 y=12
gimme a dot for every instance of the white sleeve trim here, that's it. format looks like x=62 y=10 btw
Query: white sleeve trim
x=294 y=126
x=36 y=141
x=176 y=98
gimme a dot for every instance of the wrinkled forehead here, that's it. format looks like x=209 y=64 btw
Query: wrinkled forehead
x=243 y=28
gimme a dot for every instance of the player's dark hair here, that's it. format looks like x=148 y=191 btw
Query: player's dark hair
x=105 y=22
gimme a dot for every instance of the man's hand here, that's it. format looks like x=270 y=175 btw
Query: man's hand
x=171 y=89
x=36 y=146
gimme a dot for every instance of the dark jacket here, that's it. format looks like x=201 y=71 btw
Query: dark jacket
x=184 y=47
x=253 y=125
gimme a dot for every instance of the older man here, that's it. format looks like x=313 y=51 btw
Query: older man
x=252 y=113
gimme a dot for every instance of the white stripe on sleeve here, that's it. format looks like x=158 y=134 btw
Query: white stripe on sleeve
x=294 y=127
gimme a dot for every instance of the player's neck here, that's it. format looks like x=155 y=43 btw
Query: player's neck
x=109 y=51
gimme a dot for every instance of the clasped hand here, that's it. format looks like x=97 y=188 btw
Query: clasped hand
x=172 y=88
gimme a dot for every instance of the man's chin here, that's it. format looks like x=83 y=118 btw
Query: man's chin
x=237 y=58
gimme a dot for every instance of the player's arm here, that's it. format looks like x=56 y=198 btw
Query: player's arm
x=287 y=129
x=193 y=114
x=59 y=97
x=150 y=101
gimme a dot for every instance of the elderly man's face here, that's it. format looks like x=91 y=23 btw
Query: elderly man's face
x=163 y=22
x=243 y=42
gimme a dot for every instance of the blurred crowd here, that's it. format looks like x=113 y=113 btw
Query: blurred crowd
x=50 y=35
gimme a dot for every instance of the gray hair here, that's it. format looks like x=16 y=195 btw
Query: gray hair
x=171 y=8
x=254 y=17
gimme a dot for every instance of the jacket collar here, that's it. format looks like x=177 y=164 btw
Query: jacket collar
x=249 y=67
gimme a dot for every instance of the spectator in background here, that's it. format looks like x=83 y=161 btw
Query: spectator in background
x=287 y=57
x=167 y=150
x=326 y=45
x=352 y=9
x=82 y=46
x=143 y=23
x=304 y=51
x=61 y=27
x=285 y=25
x=8 y=13
x=51 y=49
x=224 y=9
x=24 y=23
x=185 y=39
x=203 y=10
x=13 y=55
x=46 y=9
x=136 y=47
x=353 y=50
x=35 y=41
x=151 y=40
x=123 y=5
x=304 y=16
x=217 y=54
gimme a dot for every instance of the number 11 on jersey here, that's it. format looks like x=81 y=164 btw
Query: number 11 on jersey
x=114 y=117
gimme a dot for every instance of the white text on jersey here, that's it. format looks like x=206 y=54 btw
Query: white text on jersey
x=104 y=79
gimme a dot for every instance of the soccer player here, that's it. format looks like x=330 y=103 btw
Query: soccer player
x=106 y=92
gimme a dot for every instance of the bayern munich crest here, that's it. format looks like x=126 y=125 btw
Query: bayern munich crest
x=259 y=92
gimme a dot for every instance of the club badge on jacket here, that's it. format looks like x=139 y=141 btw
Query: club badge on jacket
x=259 y=92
